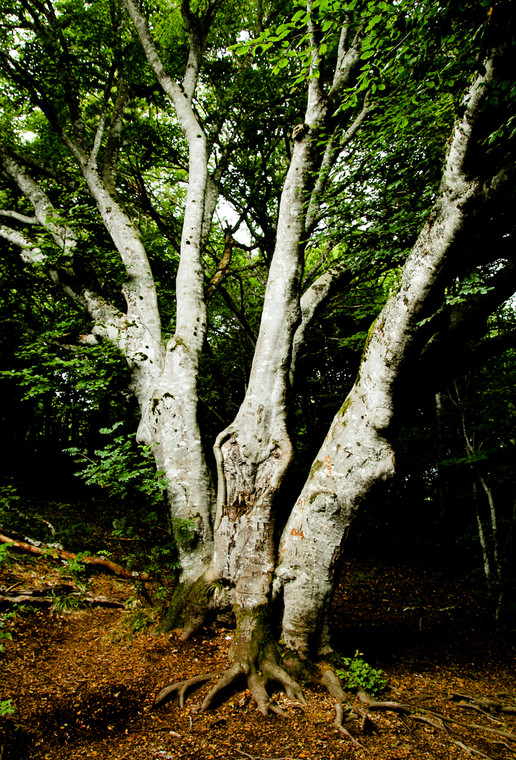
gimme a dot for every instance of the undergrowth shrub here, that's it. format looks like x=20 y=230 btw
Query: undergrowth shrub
x=356 y=673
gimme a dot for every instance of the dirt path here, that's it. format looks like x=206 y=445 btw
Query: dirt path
x=83 y=682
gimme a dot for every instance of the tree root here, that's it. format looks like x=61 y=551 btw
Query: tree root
x=181 y=688
x=488 y=707
x=255 y=660
x=257 y=681
x=347 y=712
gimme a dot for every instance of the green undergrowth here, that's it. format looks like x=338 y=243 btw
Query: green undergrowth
x=92 y=524
x=356 y=674
x=141 y=618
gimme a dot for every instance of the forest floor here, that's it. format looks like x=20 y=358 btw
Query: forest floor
x=83 y=681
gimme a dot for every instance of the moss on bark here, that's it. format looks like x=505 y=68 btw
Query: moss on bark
x=188 y=607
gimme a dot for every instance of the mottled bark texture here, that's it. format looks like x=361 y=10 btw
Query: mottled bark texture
x=357 y=454
x=254 y=452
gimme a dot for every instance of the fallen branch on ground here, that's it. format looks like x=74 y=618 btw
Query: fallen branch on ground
x=47 y=596
x=60 y=554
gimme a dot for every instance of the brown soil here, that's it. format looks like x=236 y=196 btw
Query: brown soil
x=83 y=682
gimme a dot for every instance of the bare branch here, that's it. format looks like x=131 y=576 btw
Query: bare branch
x=346 y=63
x=19 y=217
x=45 y=213
x=454 y=177
x=311 y=301
x=114 y=136
x=29 y=252
x=222 y=267
x=334 y=148
x=179 y=97
x=97 y=140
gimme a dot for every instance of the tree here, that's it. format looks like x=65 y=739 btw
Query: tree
x=122 y=104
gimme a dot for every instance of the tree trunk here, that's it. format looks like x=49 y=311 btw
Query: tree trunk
x=254 y=452
x=356 y=454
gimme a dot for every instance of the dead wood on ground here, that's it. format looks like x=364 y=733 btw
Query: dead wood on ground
x=53 y=552
x=47 y=596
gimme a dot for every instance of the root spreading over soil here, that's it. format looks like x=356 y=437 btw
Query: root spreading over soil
x=83 y=683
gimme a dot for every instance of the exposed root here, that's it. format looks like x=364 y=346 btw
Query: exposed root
x=257 y=681
x=341 y=717
x=258 y=675
x=255 y=660
x=346 y=713
x=371 y=704
x=332 y=684
x=488 y=707
x=181 y=688
x=472 y=750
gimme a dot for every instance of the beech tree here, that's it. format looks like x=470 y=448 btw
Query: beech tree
x=126 y=129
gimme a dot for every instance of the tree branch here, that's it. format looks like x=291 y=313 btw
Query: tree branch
x=311 y=302
x=114 y=136
x=19 y=217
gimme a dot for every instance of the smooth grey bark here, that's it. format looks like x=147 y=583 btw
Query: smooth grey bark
x=164 y=376
x=254 y=452
x=168 y=422
x=356 y=454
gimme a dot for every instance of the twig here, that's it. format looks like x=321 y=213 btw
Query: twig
x=12 y=587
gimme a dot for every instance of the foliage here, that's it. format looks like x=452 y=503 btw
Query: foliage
x=67 y=603
x=7 y=708
x=4 y=553
x=139 y=619
x=358 y=674
x=6 y=635
x=121 y=468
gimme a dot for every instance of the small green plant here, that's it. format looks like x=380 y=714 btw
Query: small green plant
x=358 y=674
x=161 y=595
x=9 y=498
x=136 y=620
x=76 y=566
x=6 y=635
x=4 y=553
x=6 y=708
x=69 y=603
